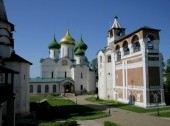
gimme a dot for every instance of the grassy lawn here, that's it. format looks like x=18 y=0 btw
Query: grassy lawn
x=55 y=107
x=108 y=123
x=126 y=106
x=162 y=114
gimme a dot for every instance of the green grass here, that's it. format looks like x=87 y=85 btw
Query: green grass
x=60 y=108
x=67 y=123
x=162 y=114
x=126 y=106
x=108 y=123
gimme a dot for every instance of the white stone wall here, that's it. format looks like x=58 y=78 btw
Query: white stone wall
x=54 y=53
x=21 y=86
x=67 y=51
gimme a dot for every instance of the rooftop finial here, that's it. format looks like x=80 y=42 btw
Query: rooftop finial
x=116 y=17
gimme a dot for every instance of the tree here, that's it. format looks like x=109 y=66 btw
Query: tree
x=168 y=76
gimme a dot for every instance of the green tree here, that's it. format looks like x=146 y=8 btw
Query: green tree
x=167 y=85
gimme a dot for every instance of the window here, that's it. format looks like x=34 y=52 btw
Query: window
x=81 y=88
x=46 y=88
x=125 y=48
x=100 y=59
x=136 y=44
x=109 y=58
x=39 y=89
x=149 y=42
x=118 y=53
x=31 y=88
x=54 y=88
x=65 y=74
x=136 y=47
x=81 y=75
x=111 y=33
x=52 y=75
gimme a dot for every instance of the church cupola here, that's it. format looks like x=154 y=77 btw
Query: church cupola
x=6 y=35
x=54 y=47
x=79 y=51
x=116 y=31
x=67 y=46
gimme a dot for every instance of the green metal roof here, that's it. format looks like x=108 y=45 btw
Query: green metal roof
x=49 y=80
x=54 y=44
x=79 y=52
x=81 y=44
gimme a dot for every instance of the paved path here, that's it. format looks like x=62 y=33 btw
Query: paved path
x=119 y=116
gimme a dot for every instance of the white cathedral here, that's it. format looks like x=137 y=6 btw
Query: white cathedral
x=65 y=73
x=130 y=67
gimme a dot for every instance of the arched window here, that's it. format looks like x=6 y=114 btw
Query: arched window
x=39 y=89
x=100 y=59
x=111 y=33
x=125 y=48
x=118 y=53
x=150 y=39
x=54 y=88
x=109 y=58
x=31 y=88
x=46 y=88
x=135 y=44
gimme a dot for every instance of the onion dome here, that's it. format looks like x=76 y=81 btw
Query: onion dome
x=67 y=39
x=79 y=52
x=76 y=47
x=54 y=44
x=81 y=44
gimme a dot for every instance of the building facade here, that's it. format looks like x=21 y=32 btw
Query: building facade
x=130 y=67
x=14 y=74
x=66 y=70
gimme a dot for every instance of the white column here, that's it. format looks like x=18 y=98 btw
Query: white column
x=130 y=48
x=122 y=52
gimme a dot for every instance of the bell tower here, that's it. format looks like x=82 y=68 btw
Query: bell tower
x=116 y=32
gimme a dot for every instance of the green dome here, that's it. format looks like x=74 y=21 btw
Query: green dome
x=81 y=44
x=79 y=52
x=67 y=39
x=54 y=44
x=76 y=47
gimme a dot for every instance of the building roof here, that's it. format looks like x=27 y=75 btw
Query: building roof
x=141 y=28
x=3 y=15
x=54 y=44
x=16 y=58
x=79 y=52
x=7 y=70
x=49 y=80
x=116 y=24
x=81 y=44
x=3 y=11
x=67 y=39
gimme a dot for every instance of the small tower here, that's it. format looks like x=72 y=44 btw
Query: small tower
x=79 y=51
x=67 y=46
x=116 y=32
x=54 y=47
x=6 y=29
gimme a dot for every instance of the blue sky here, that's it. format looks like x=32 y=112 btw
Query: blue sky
x=36 y=22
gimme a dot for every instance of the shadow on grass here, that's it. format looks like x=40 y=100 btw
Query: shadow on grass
x=45 y=112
